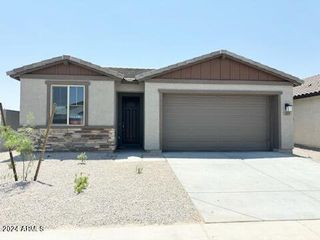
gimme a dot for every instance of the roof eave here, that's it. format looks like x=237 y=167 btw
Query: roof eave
x=295 y=80
x=306 y=95
x=17 y=72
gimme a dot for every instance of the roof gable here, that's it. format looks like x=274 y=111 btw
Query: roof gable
x=64 y=65
x=220 y=65
x=220 y=69
x=66 y=68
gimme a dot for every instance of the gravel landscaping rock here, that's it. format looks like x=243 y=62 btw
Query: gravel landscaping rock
x=116 y=195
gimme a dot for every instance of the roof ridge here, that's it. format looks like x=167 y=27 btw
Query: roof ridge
x=312 y=77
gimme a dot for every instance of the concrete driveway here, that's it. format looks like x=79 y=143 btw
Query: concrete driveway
x=249 y=186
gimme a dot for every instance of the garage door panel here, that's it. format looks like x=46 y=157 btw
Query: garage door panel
x=215 y=122
x=216 y=146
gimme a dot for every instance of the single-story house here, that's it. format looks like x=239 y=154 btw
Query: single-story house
x=307 y=113
x=12 y=119
x=216 y=102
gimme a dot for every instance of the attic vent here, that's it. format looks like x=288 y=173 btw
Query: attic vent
x=310 y=84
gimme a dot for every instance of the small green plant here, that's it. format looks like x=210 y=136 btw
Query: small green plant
x=139 y=168
x=10 y=165
x=82 y=157
x=30 y=120
x=80 y=183
x=21 y=142
x=4 y=178
x=16 y=140
x=27 y=169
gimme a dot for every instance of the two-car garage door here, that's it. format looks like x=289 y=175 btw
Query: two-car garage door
x=215 y=122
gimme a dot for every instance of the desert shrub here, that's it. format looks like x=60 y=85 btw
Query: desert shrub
x=10 y=165
x=80 y=183
x=31 y=120
x=82 y=157
x=17 y=140
x=26 y=170
x=4 y=177
x=21 y=142
x=139 y=168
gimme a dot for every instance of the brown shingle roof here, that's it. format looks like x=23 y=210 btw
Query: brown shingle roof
x=310 y=87
x=129 y=72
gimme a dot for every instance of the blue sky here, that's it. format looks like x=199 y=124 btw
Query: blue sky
x=281 y=34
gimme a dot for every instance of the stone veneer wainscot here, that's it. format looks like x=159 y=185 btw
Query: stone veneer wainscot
x=78 y=139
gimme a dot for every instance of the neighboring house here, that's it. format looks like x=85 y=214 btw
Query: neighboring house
x=307 y=113
x=12 y=120
x=219 y=101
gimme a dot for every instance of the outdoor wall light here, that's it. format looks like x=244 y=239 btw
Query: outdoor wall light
x=288 y=108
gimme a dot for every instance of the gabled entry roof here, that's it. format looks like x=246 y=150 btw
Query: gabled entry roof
x=217 y=54
x=130 y=72
x=17 y=72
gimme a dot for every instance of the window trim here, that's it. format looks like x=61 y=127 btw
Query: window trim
x=68 y=103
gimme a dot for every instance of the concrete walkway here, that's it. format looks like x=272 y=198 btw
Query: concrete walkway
x=307 y=153
x=249 y=186
x=283 y=230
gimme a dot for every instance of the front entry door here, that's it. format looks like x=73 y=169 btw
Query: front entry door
x=130 y=120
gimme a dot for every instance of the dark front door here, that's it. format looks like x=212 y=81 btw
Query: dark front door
x=130 y=121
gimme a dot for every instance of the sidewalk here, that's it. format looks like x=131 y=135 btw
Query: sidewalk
x=278 y=230
x=315 y=155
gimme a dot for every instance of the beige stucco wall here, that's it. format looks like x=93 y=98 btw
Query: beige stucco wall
x=307 y=121
x=101 y=111
x=33 y=99
x=152 y=107
x=101 y=102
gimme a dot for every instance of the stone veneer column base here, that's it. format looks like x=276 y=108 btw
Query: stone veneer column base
x=78 y=139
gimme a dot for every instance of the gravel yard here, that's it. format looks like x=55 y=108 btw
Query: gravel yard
x=116 y=195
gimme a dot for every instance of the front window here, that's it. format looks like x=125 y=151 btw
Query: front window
x=69 y=102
